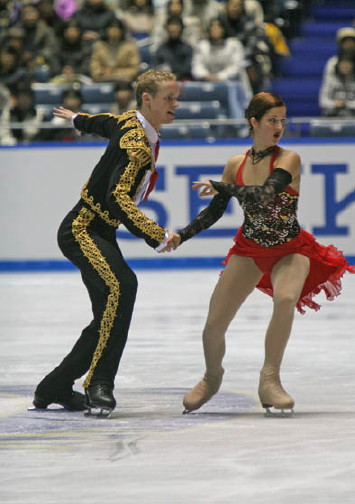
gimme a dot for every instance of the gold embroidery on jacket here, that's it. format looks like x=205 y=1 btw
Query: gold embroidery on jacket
x=99 y=263
x=135 y=141
x=139 y=154
x=96 y=207
x=130 y=117
x=108 y=114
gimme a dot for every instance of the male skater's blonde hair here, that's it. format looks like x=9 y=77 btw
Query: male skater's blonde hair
x=149 y=82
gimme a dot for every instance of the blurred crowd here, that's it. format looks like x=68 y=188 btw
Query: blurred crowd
x=337 y=92
x=78 y=42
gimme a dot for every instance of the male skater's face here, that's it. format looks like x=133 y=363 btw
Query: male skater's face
x=160 y=108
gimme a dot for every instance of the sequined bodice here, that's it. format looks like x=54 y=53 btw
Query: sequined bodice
x=273 y=223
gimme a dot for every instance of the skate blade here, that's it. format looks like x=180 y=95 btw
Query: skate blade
x=34 y=408
x=98 y=412
x=186 y=411
x=47 y=410
x=271 y=412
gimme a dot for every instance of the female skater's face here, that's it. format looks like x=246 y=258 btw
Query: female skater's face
x=270 y=128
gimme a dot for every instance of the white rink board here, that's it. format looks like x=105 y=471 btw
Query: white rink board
x=39 y=185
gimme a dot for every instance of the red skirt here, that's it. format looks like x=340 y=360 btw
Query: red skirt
x=327 y=265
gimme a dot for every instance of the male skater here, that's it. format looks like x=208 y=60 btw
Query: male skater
x=124 y=176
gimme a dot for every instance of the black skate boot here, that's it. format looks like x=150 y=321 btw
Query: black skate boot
x=100 y=397
x=73 y=401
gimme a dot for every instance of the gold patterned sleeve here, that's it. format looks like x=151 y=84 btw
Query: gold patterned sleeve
x=123 y=186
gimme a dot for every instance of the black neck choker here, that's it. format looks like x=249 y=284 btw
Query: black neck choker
x=256 y=157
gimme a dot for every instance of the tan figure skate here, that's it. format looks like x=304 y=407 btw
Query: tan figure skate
x=272 y=394
x=202 y=392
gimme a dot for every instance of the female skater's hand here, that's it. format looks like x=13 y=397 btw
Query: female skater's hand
x=64 y=113
x=207 y=188
x=174 y=241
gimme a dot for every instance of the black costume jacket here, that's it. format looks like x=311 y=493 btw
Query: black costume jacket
x=113 y=186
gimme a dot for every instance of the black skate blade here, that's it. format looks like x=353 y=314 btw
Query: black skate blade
x=271 y=412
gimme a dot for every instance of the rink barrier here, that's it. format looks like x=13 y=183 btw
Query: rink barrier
x=40 y=183
x=144 y=263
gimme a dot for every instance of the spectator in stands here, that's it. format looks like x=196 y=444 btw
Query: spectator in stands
x=23 y=110
x=191 y=34
x=115 y=58
x=49 y=15
x=40 y=42
x=337 y=93
x=272 y=9
x=124 y=98
x=66 y=8
x=241 y=22
x=72 y=99
x=345 y=39
x=175 y=55
x=139 y=16
x=160 y=5
x=74 y=55
x=277 y=43
x=218 y=58
x=15 y=39
x=11 y=72
x=6 y=136
x=289 y=15
x=94 y=17
x=255 y=10
x=9 y=14
x=202 y=12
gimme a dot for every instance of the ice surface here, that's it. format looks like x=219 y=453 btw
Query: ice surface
x=148 y=452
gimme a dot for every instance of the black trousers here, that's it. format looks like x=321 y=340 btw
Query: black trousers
x=91 y=245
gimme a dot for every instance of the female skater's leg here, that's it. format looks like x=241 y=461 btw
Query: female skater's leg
x=288 y=277
x=235 y=284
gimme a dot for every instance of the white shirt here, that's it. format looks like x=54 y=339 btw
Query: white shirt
x=153 y=138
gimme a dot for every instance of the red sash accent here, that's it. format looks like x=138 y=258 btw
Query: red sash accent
x=154 y=176
x=156 y=152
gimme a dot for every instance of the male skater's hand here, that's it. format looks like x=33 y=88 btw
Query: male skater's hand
x=64 y=113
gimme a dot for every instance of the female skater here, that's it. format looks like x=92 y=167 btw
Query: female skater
x=271 y=252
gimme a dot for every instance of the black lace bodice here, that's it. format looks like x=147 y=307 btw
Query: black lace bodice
x=269 y=210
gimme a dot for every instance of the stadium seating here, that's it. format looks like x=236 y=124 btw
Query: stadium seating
x=300 y=95
x=205 y=91
x=301 y=77
x=335 y=128
x=230 y=95
x=98 y=93
x=145 y=54
x=48 y=94
x=200 y=110
x=51 y=94
x=201 y=131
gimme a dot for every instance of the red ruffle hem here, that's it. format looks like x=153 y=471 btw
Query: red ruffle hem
x=327 y=265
